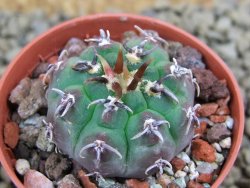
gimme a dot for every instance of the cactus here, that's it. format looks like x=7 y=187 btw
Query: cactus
x=121 y=110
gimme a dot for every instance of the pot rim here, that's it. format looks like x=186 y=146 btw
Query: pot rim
x=226 y=168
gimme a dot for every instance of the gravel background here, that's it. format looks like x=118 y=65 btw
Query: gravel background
x=225 y=27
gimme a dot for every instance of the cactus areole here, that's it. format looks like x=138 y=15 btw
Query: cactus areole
x=121 y=109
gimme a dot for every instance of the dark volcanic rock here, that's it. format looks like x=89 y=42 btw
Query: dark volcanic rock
x=56 y=166
x=211 y=88
x=189 y=57
x=217 y=133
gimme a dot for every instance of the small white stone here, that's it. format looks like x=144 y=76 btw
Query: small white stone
x=229 y=122
x=155 y=186
x=197 y=162
x=168 y=171
x=186 y=169
x=180 y=173
x=43 y=143
x=215 y=165
x=222 y=24
x=22 y=166
x=184 y=157
x=205 y=168
x=181 y=182
x=164 y=178
x=193 y=175
x=217 y=147
x=226 y=143
x=219 y=157
x=192 y=167
x=206 y=185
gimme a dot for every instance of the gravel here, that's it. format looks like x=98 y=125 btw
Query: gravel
x=223 y=27
x=22 y=166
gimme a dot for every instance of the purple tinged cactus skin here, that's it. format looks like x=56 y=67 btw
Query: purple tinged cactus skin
x=121 y=109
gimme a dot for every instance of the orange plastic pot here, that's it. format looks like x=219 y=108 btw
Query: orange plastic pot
x=55 y=39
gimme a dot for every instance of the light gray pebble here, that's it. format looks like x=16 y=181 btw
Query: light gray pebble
x=179 y=8
x=205 y=168
x=238 y=15
x=245 y=143
x=39 y=26
x=227 y=50
x=192 y=167
x=229 y=122
x=12 y=28
x=43 y=143
x=234 y=175
x=4 y=46
x=39 y=14
x=238 y=71
x=22 y=166
x=3 y=21
x=4 y=177
x=12 y=53
x=219 y=158
x=247 y=127
x=169 y=171
x=185 y=24
x=226 y=143
x=233 y=186
x=206 y=185
x=214 y=35
x=186 y=169
x=108 y=183
x=2 y=69
x=68 y=181
x=184 y=156
x=162 y=4
x=193 y=175
x=215 y=165
x=243 y=43
x=180 y=173
x=169 y=17
x=24 y=22
x=245 y=81
x=223 y=24
x=30 y=36
x=217 y=147
x=155 y=186
x=151 y=180
x=201 y=17
x=246 y=57
x=34 y=120
x=5 y=185
x=246 y=155
x=247 y=171
x=222 y=8
x=234 y=33
x=29 y=135
x=180 y=182
x=54 y=19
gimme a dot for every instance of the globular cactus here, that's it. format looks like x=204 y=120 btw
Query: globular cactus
x=121 y=110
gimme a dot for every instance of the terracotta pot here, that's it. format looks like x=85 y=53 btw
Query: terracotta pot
x=81 y=27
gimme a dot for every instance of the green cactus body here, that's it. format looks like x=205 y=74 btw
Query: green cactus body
x=109 y=142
